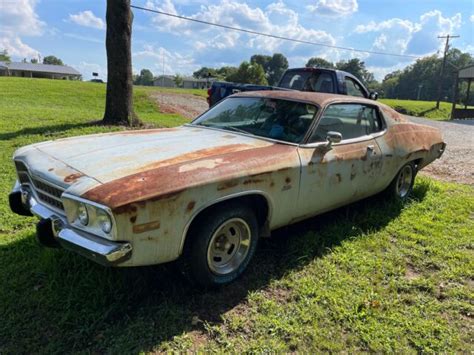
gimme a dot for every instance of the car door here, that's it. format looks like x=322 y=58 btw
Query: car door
x=338 y=174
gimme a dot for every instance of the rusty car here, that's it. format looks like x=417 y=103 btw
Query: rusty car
x=205 y=192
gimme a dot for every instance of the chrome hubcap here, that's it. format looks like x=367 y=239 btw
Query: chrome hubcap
x=404 y=181
x=229 y=246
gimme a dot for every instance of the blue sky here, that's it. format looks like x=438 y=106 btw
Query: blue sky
x=74 y=30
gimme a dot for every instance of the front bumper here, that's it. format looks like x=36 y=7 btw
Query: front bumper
x=100 y=250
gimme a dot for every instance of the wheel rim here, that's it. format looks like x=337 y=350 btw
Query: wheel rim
x=404 y=181
x=229 y=246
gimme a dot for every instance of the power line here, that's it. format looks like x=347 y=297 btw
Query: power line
x=270 y=35
x=440 y=78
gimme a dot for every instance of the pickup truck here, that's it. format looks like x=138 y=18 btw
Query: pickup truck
x=303 y=79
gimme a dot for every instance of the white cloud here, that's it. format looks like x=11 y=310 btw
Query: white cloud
x=19 y=19
x=276 y=19
x=16 y=48
x=406 y=37
x=334 y=7
x=471 y=18
x=87 y=19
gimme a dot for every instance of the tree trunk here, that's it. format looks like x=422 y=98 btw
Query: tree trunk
x=119 y=99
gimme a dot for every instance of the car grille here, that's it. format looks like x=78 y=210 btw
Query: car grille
x=45 y=192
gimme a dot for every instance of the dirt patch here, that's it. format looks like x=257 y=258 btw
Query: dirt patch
x=186 y=105
x=411 y=273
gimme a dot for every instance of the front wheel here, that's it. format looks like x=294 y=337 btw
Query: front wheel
x=221 y=245
x=402 y=184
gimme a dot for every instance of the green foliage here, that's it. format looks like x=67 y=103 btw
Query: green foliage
x=273 y=66
x=145 y=78
x=317 y=62
x=34 y=61
x=4 y=56
x=51 y=59
x=178 y=80
x=357 y=68
x=248 y=74
x=425 y=73
x=425 y=109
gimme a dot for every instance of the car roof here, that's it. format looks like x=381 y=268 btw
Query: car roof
x=317 y=98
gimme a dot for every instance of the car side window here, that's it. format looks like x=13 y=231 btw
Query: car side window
x=353 y=88
x=351 y=120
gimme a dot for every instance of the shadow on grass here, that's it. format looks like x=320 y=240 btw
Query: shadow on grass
x=46 y=130
x=55 y=301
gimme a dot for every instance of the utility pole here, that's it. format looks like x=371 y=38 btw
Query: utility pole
x=441 y=74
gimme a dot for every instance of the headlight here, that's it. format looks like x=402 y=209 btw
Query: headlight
x=82 y=214
x=88 y=216
x=104 y=221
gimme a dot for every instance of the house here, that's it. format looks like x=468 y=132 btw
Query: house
x=32 y=70
x=168 y=81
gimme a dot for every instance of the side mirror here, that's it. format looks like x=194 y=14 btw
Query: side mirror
x=373 y=95
x=333 y=137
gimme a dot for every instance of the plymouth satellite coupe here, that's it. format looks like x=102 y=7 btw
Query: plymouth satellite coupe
x=206 y=191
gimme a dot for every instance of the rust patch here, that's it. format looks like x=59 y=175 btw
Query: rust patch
x=229 y=136
x=166 y=181
x=252 y=181
x=190 y=206
x=73 y=177
x=146 y=227
x=227 y=185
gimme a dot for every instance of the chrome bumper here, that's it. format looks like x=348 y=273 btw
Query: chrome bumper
x=98 y=249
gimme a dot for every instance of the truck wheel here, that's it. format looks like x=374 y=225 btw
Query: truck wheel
x=402 y=185
x=222 y=245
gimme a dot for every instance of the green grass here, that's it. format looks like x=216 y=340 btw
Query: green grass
x=374 y=276
x=425 y=109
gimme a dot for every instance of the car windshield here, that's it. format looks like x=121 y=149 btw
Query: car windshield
x=283 y=120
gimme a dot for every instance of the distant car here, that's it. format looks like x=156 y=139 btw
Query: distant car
x=207 y=191
x=325 y=80
x=96 y=81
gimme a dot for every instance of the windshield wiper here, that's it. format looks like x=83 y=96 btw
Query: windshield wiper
x=233 y=128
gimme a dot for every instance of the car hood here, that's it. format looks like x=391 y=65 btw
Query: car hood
x=111 y=156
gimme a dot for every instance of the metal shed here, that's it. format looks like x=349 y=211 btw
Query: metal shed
x=464 y=75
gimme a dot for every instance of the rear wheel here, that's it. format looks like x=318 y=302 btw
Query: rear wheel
x=402 y=184
x=221 y=245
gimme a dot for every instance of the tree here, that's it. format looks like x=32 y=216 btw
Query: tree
x=119 y=103
x=357 y=68
x=178 y=80
x=51 y=59
x=144 y=78
x=316 y=62
x=274 y=66
x=34 y=61
x=204 y=73
x=224 y=72
x=277 y=66
x=4 y=57
x=248 y=74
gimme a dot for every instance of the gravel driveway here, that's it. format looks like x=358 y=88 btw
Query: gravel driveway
x=457 y=162
x=186 y=105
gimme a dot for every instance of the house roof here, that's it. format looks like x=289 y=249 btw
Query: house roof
x=42 y=68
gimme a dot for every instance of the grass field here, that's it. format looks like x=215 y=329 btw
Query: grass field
x=420 y=108
x=374 y=276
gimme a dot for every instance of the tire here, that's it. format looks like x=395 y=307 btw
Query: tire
x=221 y=245
x=402 y=185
